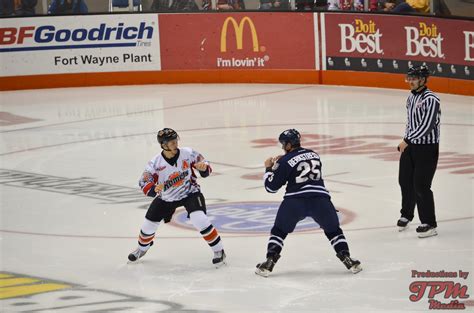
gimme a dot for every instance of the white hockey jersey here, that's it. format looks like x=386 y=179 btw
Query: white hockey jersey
x=179 y=180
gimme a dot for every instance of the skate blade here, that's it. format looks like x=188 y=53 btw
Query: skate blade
x=263 y=273
x=400 y=228
x=429 y=233
x=220 y=264
x=356 y=269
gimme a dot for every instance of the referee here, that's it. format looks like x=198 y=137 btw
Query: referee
x=419 y=151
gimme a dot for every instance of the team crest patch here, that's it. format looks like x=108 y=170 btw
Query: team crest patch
x=185 y=165
x=176 y=179
x=250 y=218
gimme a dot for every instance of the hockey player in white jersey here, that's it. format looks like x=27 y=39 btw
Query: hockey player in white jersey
x=171 y=180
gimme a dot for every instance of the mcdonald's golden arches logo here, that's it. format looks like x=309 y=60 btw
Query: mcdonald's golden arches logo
x=239 y=33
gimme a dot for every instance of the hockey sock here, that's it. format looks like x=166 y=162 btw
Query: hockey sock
x=201 y=222
x=275 y=242
x=337 y=240
x=147 y=233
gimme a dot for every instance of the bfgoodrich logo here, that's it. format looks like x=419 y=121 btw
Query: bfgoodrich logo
x=54 y=37
x=249 y=217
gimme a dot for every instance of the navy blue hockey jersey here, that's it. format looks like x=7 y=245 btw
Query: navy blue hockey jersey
x=300 y=169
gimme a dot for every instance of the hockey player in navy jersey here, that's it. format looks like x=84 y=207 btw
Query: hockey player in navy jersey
x=306 y=196
x=171 y=180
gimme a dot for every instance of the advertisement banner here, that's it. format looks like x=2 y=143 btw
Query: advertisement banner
x=385 y=43
x=79 y=44
x=237 y=41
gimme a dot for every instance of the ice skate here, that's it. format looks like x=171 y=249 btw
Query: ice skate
x=265 y=268
x=351 y=264
x=402 y=223
x=137 y=254
x=219 y=258
x=425 y=230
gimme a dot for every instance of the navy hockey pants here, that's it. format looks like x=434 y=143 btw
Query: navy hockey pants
x=293 y=210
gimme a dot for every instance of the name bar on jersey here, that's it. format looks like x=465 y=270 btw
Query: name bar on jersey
x=302 y=157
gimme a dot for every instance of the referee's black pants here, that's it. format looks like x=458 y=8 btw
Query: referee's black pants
x=417 y=168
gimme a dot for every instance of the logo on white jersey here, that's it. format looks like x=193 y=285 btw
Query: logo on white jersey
x=176 y=179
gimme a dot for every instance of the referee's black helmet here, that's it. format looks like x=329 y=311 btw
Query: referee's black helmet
x=418 y=71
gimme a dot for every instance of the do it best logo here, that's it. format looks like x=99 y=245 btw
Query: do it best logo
x=424 y=40
x=361 y=37
x=447 y=289
x=239 y=31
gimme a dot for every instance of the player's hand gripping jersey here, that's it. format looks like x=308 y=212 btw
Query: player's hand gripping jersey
x=178 y=180
x=301 y=169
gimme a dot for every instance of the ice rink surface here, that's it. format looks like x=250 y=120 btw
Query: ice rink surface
x=71 y=208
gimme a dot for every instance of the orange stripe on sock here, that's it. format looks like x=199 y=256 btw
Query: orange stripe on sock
x=213 y=235
x=145 y=241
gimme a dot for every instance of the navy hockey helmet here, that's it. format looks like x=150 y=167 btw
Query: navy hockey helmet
x=418 y=71
x=165 y=135
x=291 y=136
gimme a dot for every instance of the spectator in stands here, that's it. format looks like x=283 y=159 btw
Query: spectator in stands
x=174 y=5
x=224 y=5
x=413 y=6
x=374 y=5
x=346 y=5
x=124 y=5
x=24 y=7
x=304 y=5
x=266 y=5
x=274 y=5
x=321 y=5
x=358 y=5
x=68 y=7
x=7 y=7
x=443 y=9
x=387 y=5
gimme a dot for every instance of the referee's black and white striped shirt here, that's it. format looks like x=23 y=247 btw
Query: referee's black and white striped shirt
x=424 y=113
